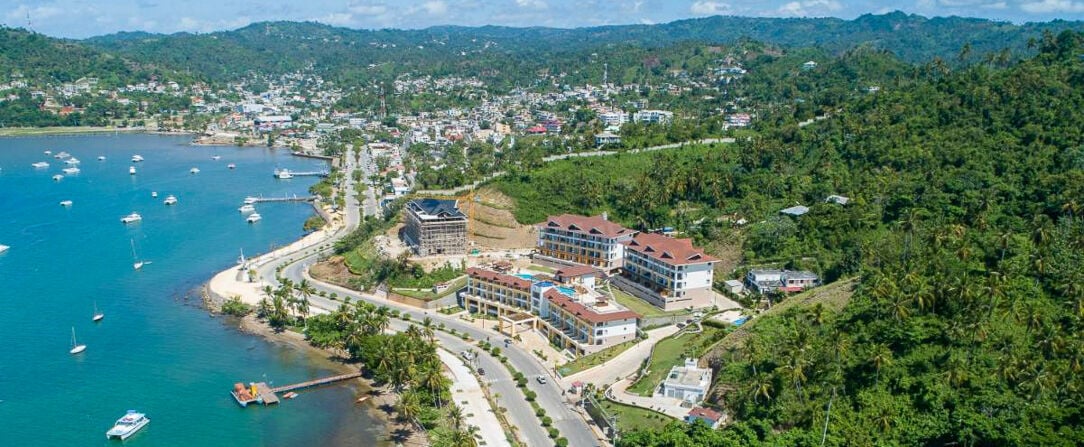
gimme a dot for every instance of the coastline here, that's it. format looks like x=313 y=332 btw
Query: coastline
x=379 y=399
x=79 y=130
x=230 y=283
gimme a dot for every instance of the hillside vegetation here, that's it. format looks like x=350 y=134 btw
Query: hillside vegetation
x=964 y=228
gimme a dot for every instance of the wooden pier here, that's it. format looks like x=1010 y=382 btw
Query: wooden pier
x=266 y=395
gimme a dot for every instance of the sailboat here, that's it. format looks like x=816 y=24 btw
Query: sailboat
x=76 y=347
x=138 y=263
x=98 y=315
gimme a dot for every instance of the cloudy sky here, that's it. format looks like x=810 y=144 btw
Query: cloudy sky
x=84 y=18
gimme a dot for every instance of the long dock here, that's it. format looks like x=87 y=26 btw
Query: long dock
x=285 y=199
x=317 y=382
x=289 y=173
x=266 y=395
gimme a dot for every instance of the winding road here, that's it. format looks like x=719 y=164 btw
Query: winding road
x=520 y=413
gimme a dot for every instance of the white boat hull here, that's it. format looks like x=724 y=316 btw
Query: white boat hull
x=128 y=433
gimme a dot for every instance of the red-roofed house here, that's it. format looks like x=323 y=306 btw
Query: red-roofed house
x=570 y=239
x=709 y=416
x=585 y=328
x=667 y=272
x=494 y=293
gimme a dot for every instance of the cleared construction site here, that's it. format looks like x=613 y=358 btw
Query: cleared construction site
x=435 y=227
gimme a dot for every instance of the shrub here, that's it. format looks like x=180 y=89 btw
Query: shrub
x=540 y=412
x=235 y=307
x=547 y=421
x=561 y=442
x=554 y=433
x=531 y=395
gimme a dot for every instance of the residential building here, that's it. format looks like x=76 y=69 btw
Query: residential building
x=809 y=65
x=569 y=239
x=585 y=322
x=571 y=315
x=667 y=272
x=767 y=280
x=710 y=417
x=688 y=382
x=653 y=116
x=605 y=138
x=795 y=211
x=497 y=294
x=613 y=118
x=435 y=227
x=734 y=286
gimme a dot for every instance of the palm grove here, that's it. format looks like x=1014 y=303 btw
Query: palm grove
x=406 y=361
x=966 y=233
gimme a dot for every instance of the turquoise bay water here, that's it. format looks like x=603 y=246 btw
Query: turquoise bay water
x=156 y=350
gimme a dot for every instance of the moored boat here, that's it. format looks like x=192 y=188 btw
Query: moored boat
x=246 y=208
x=253 y=218
x=127 y=425
x=134 y=217
x=65 y=203
x=170 y=200
x=137 y=158
x=40 y=165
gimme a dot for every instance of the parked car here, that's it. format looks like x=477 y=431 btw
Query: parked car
x=481 y=371
x=542 y=379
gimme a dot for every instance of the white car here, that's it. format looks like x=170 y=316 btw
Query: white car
x=542 y=379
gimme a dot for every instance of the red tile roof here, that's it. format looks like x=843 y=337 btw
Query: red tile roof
x=706 y=413
x=579 y=310
x=595 y=225
x=668 y=250
x=499 y=278
x=575 y=271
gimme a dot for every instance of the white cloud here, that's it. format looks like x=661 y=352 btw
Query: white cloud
x=532 y=4
x=1052 y=6
x=709 y=8
x=435 y=7
x=809 y=7
x=193 y=25
x=337 y=19
x=368 y=10
x=24 y=12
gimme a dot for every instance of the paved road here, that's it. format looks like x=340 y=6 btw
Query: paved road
x=625 y=364
x=568 y=421
x=467 y=393
x=550 y=158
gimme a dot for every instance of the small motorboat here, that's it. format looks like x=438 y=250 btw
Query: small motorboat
x=65 y=203
x=231 y=166
x=71 y=171
x=134 y=217
x=154 y=194
x=194 y=170
x=216 y=157
x=137 y=158
x=131 y=170
x=56 y=178
x=247 y=209
x=170 y=200
x=101 y=158
x=40 y=165
x=253 y=218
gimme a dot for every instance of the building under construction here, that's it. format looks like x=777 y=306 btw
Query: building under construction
x=435 y=227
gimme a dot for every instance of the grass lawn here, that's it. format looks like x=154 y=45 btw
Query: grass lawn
x=428 y=294
x=642 y=307
x=542 y=268
x=672 y=351
x=631 y=418
x=597 y=358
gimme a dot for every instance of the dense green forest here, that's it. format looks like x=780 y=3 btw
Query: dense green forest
x=346 y=55
x=964 y=226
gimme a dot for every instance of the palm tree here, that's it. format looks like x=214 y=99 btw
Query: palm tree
x=456 y=416
x=882 y=357
x=435 y=381
x=408 y=407
x=465 y=438
x=429 y=330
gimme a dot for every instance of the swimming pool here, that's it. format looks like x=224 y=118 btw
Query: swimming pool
x=525 y=276
x=567 y=291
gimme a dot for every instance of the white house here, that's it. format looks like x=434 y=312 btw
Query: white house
x=687 y=382
x=570 y=239
x=653 y=116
